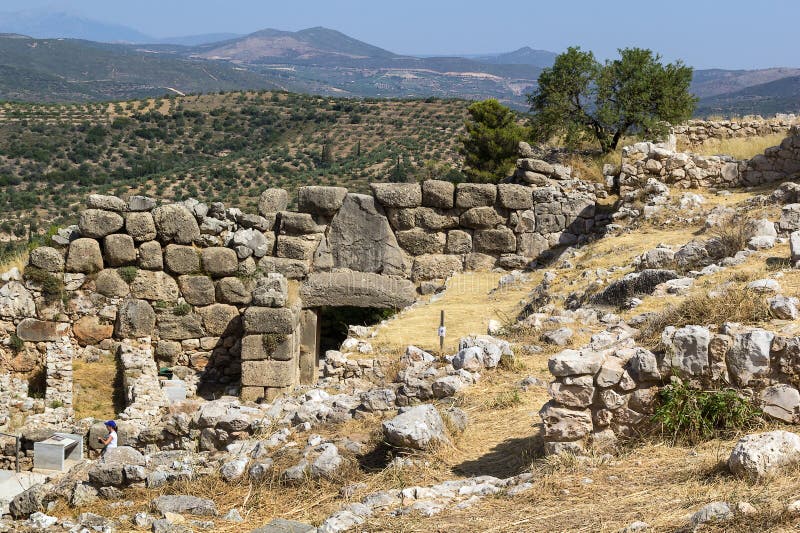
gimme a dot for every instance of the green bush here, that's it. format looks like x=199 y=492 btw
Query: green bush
x=128 y=273
x=691 y=415
x=15 y=343
x=271 y=341
x=51 y=285
x=182 y=309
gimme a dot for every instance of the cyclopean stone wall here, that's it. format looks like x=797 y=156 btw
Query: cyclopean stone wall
x=697 y=132
x=648 y=166
x=608 y=389
x=228 y=300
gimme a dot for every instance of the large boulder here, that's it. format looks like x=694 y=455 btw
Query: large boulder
x=175 y=223
x=47 y=258
x=97 y=223
x=219 y=261
x=435 y=266
x=34 y=330
x=135 y=319
x=220 y=319
x=232 y=290
x=84 y=256
x=438 y=193
x=781 y=402
x=357 y=289
x=150 y=256
x=197 y=290
x=271 y=291
x=28 y=502
x=180 y=504
x=764 y=454
x=360 y=238
x=273 y=201
x=469 y=195
x=416 y=428
x=107 y=202
x=749 y=356
x=397 y=194
x=119 y=250
x=155 y=286
x=688 y=349
x=417 y=241
x=89 y=330
x=499 y=240
x=140 y=226
x=16 y=301
x=320 y=200
x=181 y=259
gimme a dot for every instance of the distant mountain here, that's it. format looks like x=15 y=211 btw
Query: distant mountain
x=197 y=40
x=779 y=96
x=524 y=56
x=46 y=24
x=712 y=82
x=75 y=70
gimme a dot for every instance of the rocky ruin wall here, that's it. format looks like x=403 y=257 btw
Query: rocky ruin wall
x=697 y=132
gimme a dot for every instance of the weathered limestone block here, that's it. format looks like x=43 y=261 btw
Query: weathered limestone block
x=270 y=320
x=790 y=218
x=417 y=428
x=269 y=373
x=300 y=247
x=402 y=219
x=220 y=319
x=320 y=200
x=97 y=223
x=232 y=291
x=271 y=291
x=141 y=203
x=119 y=250
x=135 y=319
x=34 y=330
x=181 y=259
x=357 y=289
x=469 y=195
x=573 y=392
x=197 y=290
x=764 y=454
x=293 y=223
x=16 y=301
x=175 y=223
x=562 y=424
x=748 y=357
x=47 y=258
x=84 y=256
x=435 y=219
x=532 y=244
x=397 y=194
x=140 y=226
x=107 y=202
x=643 y=366
x=109 y=283
x=154 y=285
x=276 y=346
x=513 y=196
x=688 y=349
x=273 y=201
x=435 y=266
x=291 y=268
x=417 y=241
x=479 y=262
x=150 y=256
x=495 y=241
x=481 y=218
x=437 y=193
x=360 y=238
x=575 y=363
x=176 y=328
x=89 y=330
x=458 y=242
x=781 y=402
x=219 y=262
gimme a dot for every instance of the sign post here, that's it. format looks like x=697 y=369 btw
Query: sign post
x=442 y=332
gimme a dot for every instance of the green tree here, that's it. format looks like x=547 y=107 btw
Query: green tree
x=578 y=97
x=490 y=144
x=327 y=154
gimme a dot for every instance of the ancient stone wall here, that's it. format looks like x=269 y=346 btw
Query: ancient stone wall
x=648 y=166
x=607 y=390
x=697 y=132
x=227 y=300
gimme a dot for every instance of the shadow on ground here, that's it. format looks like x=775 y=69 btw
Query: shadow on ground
x=506 y=459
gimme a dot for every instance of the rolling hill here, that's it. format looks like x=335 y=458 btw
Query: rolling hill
x=779 y=96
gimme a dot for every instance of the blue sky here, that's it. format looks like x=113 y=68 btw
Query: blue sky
x=705 y=33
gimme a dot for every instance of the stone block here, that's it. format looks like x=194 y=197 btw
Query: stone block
x=150 y=257
x=495 y=241
x=97 y=223
x=47 y=258
x=358 y=289
x=232 y=290
x=293 y=223
x=173 y=327
x=270 y=320
x=300 y=247
x=290 y=268
x=273 y=201
x=154 y=285
x=269 y=373
x=481 y=218
x=458 y=242
x=438 y=193
x=469 y=195
x=417 y=241
x=271 y=291
x=197 y=289
x=513 y=196
x=34 y=330
x=135 y=319
x=219 y=262
x=181 y=259
x=320 y=200
x=277 y=346
x=109 y=283
x=251 y=394
x=435 y=266
x=175 y=223
x=435 y=219
x=140 y=226
x=119 y=250
x=220 y=319
x=479 y=262
x=397 y=194
x=107 y=202
x=84 y=256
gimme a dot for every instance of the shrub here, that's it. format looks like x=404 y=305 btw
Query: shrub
x=51 y=285
x=271 y=341
x=505 y=400
x=690 y=415
x=729 y=237
x=15 y=343
x=128 y=273
x=182 y=309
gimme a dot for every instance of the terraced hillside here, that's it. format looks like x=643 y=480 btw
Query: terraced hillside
x=223 y=147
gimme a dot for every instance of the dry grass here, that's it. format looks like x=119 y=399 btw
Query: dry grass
x=94 y=387
x=738 y=148
x=19 y=261
x=468 y=308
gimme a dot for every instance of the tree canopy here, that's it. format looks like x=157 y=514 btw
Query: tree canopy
x=578 y=97
x=490 y=144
